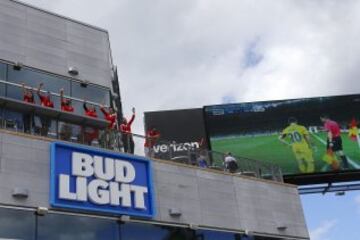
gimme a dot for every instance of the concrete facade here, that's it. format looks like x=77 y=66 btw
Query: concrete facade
x=204 y=198
x=53 y=43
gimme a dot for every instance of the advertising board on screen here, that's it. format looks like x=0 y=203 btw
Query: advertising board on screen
x=303 y=136
x=180 y=130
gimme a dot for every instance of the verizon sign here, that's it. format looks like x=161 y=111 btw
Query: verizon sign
x=176 y=147
x=180 y=131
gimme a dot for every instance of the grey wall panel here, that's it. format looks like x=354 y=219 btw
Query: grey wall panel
x=13 y=8
x=204 y=198
x=88 y=73
x=54 y=57
x=11 y=56
x=177 y=189
x=93 y=35
x=53 y=43
x=90 y=61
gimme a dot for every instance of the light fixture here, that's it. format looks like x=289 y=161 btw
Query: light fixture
x=17 y=66
x=73 y=71
x=341 y=193
x=193 y=226
x=84 y=83
x=174 y=212
x=281 y=227
x=125 y=218
x=20 y=192
x=41 y=211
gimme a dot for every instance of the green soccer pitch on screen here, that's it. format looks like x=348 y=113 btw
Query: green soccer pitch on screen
x=302 y=136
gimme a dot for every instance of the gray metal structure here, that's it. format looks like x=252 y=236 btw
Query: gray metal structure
x=185 y=196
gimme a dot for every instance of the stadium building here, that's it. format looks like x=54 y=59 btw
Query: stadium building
x=59 y=180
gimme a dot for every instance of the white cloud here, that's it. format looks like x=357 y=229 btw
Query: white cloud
x=323 y=231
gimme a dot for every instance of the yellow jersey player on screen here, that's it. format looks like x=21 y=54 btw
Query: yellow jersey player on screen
x=299 y=140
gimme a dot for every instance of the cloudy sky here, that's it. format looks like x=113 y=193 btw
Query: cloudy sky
x=189 y=53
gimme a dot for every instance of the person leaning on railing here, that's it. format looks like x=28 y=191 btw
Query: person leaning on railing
x=66 y=106
x=108 y=138
x=45 y=100
x=28 y=97
x=230 y=163
x=126 y=135
x=152 y=135
x=89 y=133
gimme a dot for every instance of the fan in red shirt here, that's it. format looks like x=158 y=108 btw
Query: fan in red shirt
x=90 y=133
x=45 y=102
x=90 y=110
x=45 y=99
x=110 y=116
x=65 y=102
x=28 y=97
x=126 y=137
x=334 y=141
x=65 y=128
x=152 y=135
x=107 y=139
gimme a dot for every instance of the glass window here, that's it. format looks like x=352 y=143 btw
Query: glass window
x=33 y=78
x=70 y=132
x=90 y=93
x=17 y=224
x=13 y=120
x=216 y=235
x=59 y=227
x=2 y=77
x=2 y=71
x=45 y=126
x=2 y=89
x=137 y=231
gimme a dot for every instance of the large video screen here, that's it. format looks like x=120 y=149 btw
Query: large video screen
x=302 y=136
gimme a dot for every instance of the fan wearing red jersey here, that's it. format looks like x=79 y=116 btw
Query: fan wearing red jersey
x=126 y=135
x=65 y=128
x=45 y=101
x=89 y=133
x=28 y=97
x=107 y=139
x=65 y=102
x=152 y=135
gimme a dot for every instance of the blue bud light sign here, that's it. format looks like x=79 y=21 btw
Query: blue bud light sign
x=89 y=179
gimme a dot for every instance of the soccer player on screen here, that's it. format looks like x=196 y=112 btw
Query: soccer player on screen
x=334 y=141
x=353 y=130
x=299 y=140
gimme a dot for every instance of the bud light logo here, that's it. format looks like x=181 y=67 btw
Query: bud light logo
x=88 y=179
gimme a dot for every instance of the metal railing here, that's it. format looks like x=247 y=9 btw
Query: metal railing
x=203 y=158
x=35 y=123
